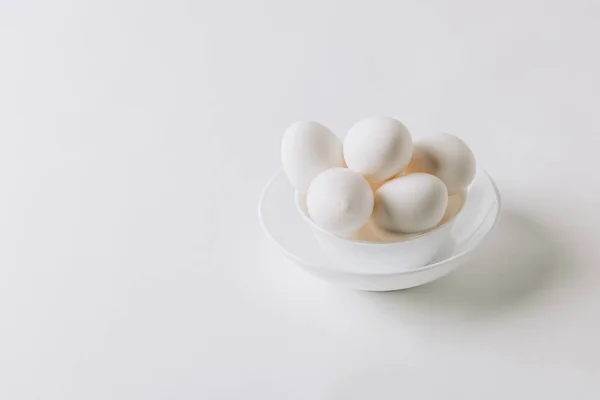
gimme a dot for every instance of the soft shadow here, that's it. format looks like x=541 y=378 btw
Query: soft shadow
x=520 y=260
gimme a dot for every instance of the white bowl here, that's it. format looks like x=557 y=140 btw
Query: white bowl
x=409 y=252
x=282 y=222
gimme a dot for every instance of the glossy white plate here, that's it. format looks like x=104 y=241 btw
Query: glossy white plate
x=282 y=222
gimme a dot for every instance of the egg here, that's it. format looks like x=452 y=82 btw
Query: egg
x=371 y=232
x=447 y=157
x=340 y=201
x=307 y=149
x=378 y=148
x=410 y=204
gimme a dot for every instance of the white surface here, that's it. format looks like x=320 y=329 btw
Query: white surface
x=132 y=268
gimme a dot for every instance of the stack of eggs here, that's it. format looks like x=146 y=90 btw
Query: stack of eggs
x=378 y=178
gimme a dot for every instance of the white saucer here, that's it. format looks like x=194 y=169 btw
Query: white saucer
x=284 y=225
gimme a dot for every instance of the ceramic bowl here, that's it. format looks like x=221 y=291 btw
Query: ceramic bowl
x=282 y=222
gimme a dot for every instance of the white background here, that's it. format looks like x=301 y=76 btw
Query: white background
x=136 y=137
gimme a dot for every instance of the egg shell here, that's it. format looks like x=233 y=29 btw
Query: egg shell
x=307 y=149
x=371 y=232
x=378 y=148
x=410 y=204
x=447 y=157
x=340 y=201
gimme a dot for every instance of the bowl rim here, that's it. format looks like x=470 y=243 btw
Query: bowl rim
x=472 y=246
x=406 y=239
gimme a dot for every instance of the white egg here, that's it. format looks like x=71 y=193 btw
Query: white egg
x=410 y=204
x=378 y=148
x=340 y=201
x=371 y=232
x=307 y=149
x=446 y=157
